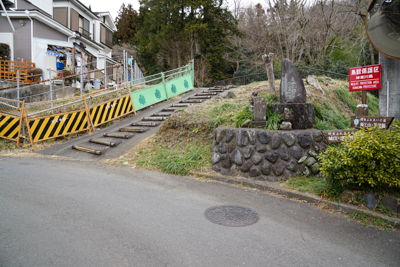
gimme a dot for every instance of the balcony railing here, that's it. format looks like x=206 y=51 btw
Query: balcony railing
x=85 y=32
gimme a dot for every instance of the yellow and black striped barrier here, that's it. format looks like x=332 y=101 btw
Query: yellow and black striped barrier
x=10 y=127
x=111 y=110
x=58 y=125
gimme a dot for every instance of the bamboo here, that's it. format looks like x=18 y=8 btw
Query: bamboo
x=90 y=123
x=20 y=122
x=29 y=129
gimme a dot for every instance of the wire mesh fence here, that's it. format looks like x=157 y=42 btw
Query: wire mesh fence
x=104 y=96
x=49 y=108
x=10 y=107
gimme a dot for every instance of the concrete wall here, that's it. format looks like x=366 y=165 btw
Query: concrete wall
x=266 y=155
x=390 y=71
x=38 y=93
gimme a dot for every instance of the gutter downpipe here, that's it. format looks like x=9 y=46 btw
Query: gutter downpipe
x=32 y=44
x=9 y=20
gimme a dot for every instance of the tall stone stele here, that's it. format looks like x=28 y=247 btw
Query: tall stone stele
x=293 y=97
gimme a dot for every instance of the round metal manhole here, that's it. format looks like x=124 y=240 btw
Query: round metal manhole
x=233 y=216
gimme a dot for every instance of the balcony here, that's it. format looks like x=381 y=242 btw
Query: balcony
x=85 y=33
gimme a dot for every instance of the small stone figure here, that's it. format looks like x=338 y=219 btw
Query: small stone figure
x=287 y=117
x=251 y=100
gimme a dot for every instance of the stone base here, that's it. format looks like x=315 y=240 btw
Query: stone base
x=259 y=123
x=266 y=155
x=304 y=114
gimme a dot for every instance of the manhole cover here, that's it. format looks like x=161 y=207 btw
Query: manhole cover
x=233 y=216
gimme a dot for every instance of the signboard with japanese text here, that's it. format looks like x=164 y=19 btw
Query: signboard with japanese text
x=337 y=136
x=365 y=78
x=369 y=121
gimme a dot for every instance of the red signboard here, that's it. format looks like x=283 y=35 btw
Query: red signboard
x=365 y=78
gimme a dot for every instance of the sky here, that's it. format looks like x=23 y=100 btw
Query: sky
x=114 y=5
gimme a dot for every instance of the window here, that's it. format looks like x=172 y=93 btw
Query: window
x=84 y=27
x=80 y=24
x=60 y=14
x=106 y=36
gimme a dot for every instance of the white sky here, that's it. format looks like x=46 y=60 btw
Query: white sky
x=114 y=5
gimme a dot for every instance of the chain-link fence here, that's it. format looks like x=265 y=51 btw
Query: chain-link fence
x=10 y=107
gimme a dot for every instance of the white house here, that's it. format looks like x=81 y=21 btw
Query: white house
x=57 y=34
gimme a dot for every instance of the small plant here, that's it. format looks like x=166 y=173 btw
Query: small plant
x=243 y=116
x=223 y=114
x=371 y=159
x=273 y=120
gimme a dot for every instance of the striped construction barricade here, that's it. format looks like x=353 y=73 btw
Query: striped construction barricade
x=11 y=115
x=111 y=110
x=44 y=128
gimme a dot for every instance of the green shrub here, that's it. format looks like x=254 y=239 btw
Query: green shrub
x=370 y=159
x=4 y=51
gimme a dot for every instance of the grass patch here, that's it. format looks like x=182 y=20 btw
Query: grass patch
x=312 y=185
x=243 y=116
x=345 y=97
x=375 y=222
x=373 y=105
x=179 y=159
x=223 y=114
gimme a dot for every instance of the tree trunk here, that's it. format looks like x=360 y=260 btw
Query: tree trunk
x=371 y=52
x=270 y=71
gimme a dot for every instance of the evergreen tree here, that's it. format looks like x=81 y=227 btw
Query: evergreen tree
x=172 y=32
x=126 y=25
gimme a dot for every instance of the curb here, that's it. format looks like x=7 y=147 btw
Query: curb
x=298 y=195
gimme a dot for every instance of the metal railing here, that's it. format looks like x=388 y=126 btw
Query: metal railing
x=262 y=76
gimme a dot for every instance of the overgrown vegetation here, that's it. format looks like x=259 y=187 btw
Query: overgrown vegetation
x=370 y=160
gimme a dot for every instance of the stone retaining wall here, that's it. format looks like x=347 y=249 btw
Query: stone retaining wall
x=266 y=155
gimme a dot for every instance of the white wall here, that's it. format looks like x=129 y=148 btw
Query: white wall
x=46 y=5
x=41 y=59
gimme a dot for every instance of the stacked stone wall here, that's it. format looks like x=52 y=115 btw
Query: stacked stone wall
x=266 y=155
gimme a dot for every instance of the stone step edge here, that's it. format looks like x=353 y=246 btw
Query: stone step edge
x=267 y=186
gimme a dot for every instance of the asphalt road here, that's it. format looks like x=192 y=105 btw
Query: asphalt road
x=65 y=213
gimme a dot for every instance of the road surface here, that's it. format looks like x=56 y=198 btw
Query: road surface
x=70 y=213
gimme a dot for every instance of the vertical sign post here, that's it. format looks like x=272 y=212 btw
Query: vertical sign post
x=363 y=79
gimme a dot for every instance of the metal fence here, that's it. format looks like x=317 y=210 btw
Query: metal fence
x=262 y=76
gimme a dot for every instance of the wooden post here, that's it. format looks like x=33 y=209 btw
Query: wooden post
x=362 y=110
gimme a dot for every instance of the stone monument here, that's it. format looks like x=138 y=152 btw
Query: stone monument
x=293 y=97
x=259 y=106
